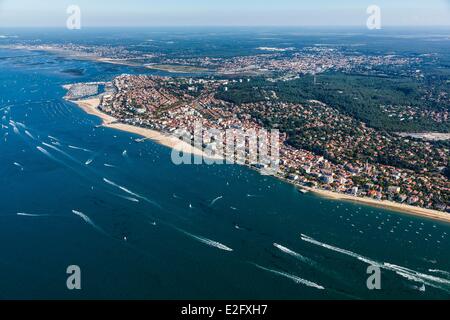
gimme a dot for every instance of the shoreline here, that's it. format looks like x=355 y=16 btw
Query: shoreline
x=90 y=106
x=384 y=204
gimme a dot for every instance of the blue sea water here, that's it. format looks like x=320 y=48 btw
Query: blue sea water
x=176 y=241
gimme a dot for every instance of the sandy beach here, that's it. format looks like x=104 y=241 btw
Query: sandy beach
x=90 y=107
x=395 y=206
x=385 y=204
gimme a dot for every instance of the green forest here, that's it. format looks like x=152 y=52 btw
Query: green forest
x=360 y=96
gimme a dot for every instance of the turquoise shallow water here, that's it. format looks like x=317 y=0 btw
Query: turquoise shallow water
x=176 y=233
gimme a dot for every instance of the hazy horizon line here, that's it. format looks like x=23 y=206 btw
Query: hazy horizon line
x=228 y=26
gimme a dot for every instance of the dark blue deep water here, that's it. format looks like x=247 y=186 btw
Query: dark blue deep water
x=167 y=245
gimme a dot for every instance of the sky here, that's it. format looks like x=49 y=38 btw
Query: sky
x=140 y=13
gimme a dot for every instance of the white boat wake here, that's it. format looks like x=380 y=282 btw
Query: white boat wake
x=208 y=242
x=22 y=214
x=88 y=220
x=343 y=251
x=128 y=198
x=295 y=254
x=294 y=278
x=16 y=131
x=79 y=148
x=29 y=134
x=20 y=124
x=215 y=200
x=45 y=152
x=60 y=151
x=409 y=274
x=442 y=272
x=18 y=165
x=53 y=138
x=130 y=192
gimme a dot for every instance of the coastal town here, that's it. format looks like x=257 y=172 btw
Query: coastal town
x=201 y=155
x=327 y=142
x=329 y=151
x=280 y=63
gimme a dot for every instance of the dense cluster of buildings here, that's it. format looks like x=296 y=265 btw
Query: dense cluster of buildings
x=309 y=60
x=410 y=113
x=305 y=61
x=351 y=155
x=329 y=151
